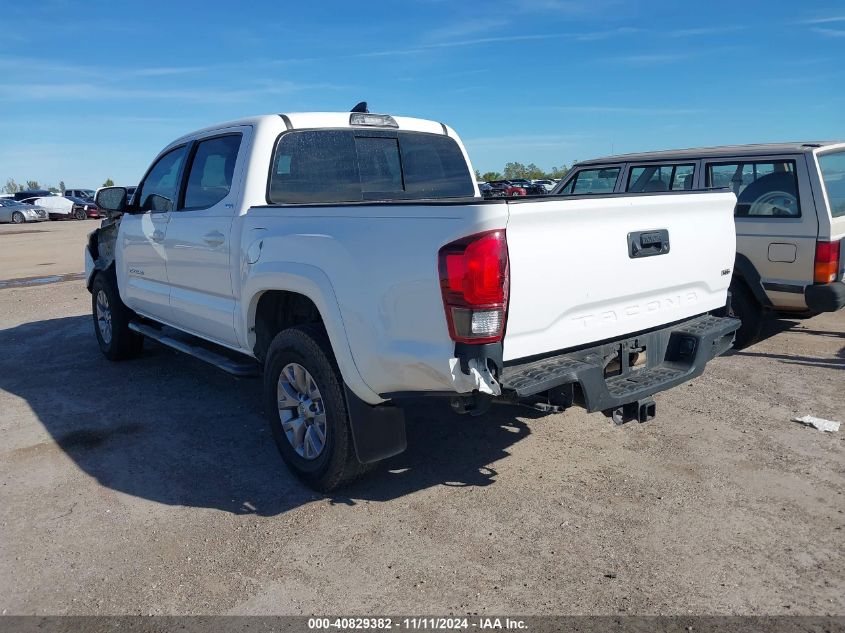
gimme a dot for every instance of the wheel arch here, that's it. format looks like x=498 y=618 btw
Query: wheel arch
x=299 y=290
x=746 y=272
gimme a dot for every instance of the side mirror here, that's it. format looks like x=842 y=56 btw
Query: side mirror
x=111 y=199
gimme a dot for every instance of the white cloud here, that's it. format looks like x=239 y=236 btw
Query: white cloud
x=92 y=91
x=824 y=20
x=830 y=32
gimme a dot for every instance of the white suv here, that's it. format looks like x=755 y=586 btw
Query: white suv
x=790 y=217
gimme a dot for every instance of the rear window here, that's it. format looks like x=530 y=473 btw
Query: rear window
x=832 y=165
x=767 y=188
x=328 y=166
x=660 y=178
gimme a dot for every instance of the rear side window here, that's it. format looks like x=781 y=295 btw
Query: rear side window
x=601 y=180
x=833 y=175
x=660 y=178
x=211 y=171
x=329 y=166
x=763 y=188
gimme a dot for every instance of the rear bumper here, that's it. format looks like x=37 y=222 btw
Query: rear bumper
x=825 y=297
x=675 y=354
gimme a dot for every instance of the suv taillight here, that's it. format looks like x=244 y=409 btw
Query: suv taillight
x=827 y=262
x=474 y=278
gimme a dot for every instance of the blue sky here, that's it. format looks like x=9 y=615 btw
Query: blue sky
x=93 y=90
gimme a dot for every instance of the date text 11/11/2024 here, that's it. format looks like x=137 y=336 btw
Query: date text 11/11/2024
x=416 y=623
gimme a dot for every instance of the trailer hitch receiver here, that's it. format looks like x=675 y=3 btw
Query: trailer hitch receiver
x=639 y=410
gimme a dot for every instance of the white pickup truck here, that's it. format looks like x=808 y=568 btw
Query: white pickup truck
x=350 y=259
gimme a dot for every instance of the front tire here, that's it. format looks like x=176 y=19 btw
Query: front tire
x=17 y=218
x=306 y=409
x=111 y=320
x=79 y=214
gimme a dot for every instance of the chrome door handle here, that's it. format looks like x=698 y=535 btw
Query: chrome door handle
x=157 y=236
x=215 y=238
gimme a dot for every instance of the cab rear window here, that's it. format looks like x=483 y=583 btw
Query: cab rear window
x=832 y=165
x=334 y=166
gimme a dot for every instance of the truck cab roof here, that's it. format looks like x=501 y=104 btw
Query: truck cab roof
x=317 y=120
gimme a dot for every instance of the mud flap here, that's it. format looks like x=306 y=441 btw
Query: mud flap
x=378 y=432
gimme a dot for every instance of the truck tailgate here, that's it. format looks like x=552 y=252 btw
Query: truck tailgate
x=589 y=269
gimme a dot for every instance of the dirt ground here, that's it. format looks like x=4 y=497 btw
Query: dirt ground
x=153 y=486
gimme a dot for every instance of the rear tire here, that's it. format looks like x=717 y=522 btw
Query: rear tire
x=307 y=347
x=17 y=218
x=745 y=308
x=111 y=320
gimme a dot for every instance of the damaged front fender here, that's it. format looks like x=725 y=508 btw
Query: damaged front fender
x=99 y=251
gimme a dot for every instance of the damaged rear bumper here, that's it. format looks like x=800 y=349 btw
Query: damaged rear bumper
x=609 y=375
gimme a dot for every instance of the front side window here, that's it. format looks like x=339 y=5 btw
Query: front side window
x=660 y=178
x=763 y=188
x=211 y=172
x=158 y=191
x=601 y=180
x=832 y=165
x=330 y=166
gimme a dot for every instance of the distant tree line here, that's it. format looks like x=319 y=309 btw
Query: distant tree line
x=519 y=170
x=12 y=186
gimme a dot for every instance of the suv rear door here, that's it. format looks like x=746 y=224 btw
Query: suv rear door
x=831 y=193
x=776 y=223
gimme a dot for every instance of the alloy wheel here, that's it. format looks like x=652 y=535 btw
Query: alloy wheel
x=301 y=411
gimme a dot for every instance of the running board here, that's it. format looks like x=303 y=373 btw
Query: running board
x=195 y=347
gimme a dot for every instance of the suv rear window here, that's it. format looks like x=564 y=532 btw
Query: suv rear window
x=767 y=188
x=329 y=166
x=832 y=165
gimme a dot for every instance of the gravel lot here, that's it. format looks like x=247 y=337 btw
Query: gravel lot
x=153 y=486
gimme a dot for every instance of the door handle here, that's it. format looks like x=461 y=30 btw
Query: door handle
x=157 y=236
x=648 y=243
x=215 y=238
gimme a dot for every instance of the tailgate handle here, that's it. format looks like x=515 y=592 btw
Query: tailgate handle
x=648 y=243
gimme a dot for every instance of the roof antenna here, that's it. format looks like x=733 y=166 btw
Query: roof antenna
x=361 y=107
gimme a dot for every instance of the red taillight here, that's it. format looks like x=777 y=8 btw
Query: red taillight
x=827 y=262
x=474 y=281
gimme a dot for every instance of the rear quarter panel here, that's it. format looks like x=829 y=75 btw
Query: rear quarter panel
x=380 y=262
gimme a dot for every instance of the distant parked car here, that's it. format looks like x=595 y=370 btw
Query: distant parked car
x=88 y=206
x=130 y=191
x=486 y=190
x=502 y=188
x=546 y=184
x=85 y=194
x=23 y=196
x=65 y=208
x=530 y=188
x=17 y=212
